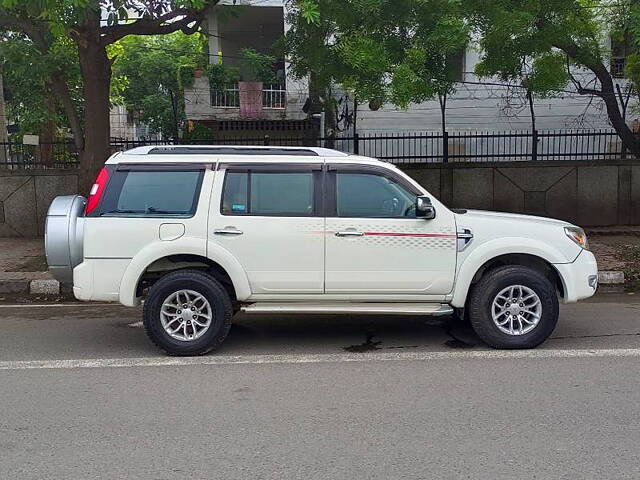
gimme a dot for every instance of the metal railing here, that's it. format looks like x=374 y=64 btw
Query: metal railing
x=274 y=96
x=398 y=148
x=226 y=98
x=14 y=155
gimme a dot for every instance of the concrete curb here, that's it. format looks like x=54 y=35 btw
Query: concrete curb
x=28 y=286
x=611 y=278
x=44 y=287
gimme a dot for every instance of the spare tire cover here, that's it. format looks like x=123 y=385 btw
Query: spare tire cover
x=63 y=237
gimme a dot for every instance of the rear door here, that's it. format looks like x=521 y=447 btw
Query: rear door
x=375 y=243
x=270 y=218
x=143 y=205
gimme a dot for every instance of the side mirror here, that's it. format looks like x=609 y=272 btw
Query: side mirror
x=424 y=208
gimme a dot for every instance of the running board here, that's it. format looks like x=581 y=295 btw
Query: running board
x=432 y=309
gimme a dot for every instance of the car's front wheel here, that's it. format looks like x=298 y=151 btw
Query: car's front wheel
x=187 y=313
x=513 y=307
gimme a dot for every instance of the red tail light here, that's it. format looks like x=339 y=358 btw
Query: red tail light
x=96 y=191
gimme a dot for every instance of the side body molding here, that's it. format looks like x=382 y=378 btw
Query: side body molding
x=181 y=246
x=482 y=253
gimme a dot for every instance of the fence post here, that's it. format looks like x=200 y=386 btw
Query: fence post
x=267 y=140
x=445 y=147
x=534 y=146
x=356 y=143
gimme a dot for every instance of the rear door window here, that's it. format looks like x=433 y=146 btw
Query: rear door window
x=269 y=193
x=153 y=193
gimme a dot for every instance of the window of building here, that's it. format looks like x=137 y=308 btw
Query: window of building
x=620 y=51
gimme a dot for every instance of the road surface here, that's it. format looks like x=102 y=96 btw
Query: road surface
x=84 y=395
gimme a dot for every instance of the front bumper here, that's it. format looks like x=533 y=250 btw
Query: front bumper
x=579 y=278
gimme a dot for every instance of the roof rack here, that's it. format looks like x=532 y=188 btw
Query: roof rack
x=182 y=150
x=233 y=150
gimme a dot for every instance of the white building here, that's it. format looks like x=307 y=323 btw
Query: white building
x=478 y=104
x=258 y=25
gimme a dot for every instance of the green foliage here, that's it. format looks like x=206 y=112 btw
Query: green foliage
x=383 y=50
x=222 y=76
x=199 y=132
x=256 y=66
x=532 y=41
x=157 y=69
x=26 y=74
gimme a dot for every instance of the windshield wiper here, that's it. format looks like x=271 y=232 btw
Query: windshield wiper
x=122 y=211
x=148 y=211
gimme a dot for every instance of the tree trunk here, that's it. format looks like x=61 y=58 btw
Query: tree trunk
x=532 y=110
x=96 y=73
x=607 y=93
x=48 y=131
x=442 y=99
x=4 y=138
x=629 y=139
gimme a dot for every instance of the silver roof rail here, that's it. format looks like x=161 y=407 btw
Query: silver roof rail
x=233 y=150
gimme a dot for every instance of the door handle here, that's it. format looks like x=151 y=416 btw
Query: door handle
x=228 y=231
x=349 y=233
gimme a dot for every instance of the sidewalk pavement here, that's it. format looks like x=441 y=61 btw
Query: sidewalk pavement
x=23 y=266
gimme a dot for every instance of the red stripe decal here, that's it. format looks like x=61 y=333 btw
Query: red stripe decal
x=423 y=235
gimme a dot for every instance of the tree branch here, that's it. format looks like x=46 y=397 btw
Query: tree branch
x=61 y=89
x=159 y=25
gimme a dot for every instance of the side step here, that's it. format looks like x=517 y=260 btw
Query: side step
x=433 y=309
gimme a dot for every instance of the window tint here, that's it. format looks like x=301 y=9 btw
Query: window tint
x=154 y=193
x=268 y=193
x=361 y=195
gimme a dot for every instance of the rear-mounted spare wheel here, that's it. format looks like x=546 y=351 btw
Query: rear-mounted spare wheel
x=63 y=236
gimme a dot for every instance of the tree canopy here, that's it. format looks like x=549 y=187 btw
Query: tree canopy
x=92 y=26
x=150 y=69
x=550 y=45
x=381 y=50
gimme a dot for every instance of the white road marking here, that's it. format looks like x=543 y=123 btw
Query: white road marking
x=315 y=358
x=47 y=305
x=135 y=325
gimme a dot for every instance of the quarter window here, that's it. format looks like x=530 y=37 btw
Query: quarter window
x=268 y=193
x=153 y=193
x=369 y=195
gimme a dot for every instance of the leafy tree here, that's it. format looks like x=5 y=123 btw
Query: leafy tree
x=154 y=71
x=546 y=40
x=94 y=25
x=27 y=76
x=32 y=102
x=383 y=50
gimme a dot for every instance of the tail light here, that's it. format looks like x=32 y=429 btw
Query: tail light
x=96 y=191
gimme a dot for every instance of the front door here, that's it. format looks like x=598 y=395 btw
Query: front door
x=270 y=219
x=375 y=243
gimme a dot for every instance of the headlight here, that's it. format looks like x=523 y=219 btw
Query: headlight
x=578 y=236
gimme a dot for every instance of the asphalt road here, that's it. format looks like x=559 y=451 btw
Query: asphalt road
x=84 y=395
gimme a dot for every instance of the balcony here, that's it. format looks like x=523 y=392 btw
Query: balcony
x=274 y=97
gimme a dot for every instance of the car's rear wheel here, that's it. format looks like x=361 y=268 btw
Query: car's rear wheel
x=187 y=313
x=513 y=307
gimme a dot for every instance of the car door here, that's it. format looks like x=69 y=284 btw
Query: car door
x=270 y=218
x=144 y=205
x=375 y=243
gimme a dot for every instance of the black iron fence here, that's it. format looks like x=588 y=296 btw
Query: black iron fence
x=398 y=148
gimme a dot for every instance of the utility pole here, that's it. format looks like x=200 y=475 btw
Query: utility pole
x=3 y=123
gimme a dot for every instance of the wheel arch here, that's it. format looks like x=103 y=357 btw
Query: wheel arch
x=164 y=257
x=530 y=254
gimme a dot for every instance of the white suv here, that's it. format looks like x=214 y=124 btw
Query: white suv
x=203 y=232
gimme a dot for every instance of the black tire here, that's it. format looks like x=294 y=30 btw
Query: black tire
x=493 y=282
x=207 y=286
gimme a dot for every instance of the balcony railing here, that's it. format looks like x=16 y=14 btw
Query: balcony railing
x=274 y=96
